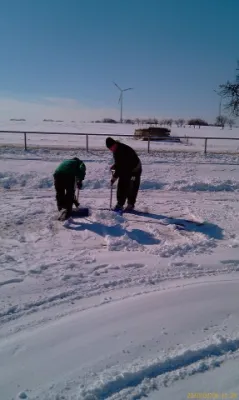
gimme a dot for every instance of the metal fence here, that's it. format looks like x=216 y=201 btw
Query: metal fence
x=148 y=141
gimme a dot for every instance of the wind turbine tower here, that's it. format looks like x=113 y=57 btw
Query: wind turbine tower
x=121 y=100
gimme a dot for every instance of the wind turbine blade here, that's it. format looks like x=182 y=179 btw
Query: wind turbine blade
x=120 y=97
x=117 y=86
x=130 y=88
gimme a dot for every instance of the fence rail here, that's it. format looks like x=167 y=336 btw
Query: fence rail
x=205 y=138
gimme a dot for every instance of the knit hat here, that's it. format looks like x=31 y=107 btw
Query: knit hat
x=109 y=142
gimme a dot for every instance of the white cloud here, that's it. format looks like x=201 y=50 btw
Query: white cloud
x=52 y=108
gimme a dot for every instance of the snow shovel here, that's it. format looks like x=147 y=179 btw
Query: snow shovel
x=111 y=190
x=79 y=212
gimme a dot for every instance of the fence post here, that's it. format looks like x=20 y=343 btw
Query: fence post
x=87 y=143
x=205 y=147
x=148 y=143
x=25 y=141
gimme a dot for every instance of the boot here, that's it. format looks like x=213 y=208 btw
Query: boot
x=118 y=208
x=64 y=215
x=129 y=208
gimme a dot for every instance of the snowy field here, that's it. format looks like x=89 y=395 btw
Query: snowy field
x=98 y=142
x=120 y=307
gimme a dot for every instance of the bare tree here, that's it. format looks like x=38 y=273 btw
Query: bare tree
x=230 y=92
x=179 y=122
x=150 y=121
x=197 y=122
x=230 y=122
x=221 y=121
x=168 y=122
x=155 y=121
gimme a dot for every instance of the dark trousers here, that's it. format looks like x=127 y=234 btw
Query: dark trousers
x=65 y=191
x=127 y=189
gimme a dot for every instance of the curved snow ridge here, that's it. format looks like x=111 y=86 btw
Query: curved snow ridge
x=114 y=384
x=9 y=180
x=10 y=281
x=214 y=185
x=16 y=311
x=33 y=180
x=146 y=184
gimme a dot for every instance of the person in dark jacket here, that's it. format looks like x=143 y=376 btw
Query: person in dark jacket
x=127 y=169
x=68 y=174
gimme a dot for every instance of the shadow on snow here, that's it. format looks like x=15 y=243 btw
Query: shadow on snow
x=206 y=228
x=138 y=235
x=142 y=237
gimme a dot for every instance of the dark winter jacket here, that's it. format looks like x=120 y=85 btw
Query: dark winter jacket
x=127 y=162
x=72 y=168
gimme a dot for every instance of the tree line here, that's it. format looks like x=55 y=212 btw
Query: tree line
x=221 y=121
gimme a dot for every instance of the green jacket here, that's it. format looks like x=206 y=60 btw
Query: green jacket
x=73 y=167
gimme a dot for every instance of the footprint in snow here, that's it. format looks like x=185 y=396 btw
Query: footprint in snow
x=134 y=266
x=22 y=395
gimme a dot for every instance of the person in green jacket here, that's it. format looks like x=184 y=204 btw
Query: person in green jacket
x=68 y=174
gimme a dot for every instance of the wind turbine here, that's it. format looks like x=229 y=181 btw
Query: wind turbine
x=121 y=100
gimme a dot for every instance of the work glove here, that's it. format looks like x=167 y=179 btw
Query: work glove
x=79 y=185
x=76 y=203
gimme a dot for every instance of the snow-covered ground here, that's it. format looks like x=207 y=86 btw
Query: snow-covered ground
x=98 y=142
x=120 y=307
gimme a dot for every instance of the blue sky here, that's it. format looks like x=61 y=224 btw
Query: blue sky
x=61 y=56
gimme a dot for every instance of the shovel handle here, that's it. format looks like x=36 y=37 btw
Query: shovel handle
x=111 y=196
x=77 y=194
x=111 y=190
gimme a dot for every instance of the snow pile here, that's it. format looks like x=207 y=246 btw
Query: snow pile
x=235 y=241
x=9 y=180
x=44 y=183
x=124 y=243
x=208 y=185
x=96 y=184
x=152 y=185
